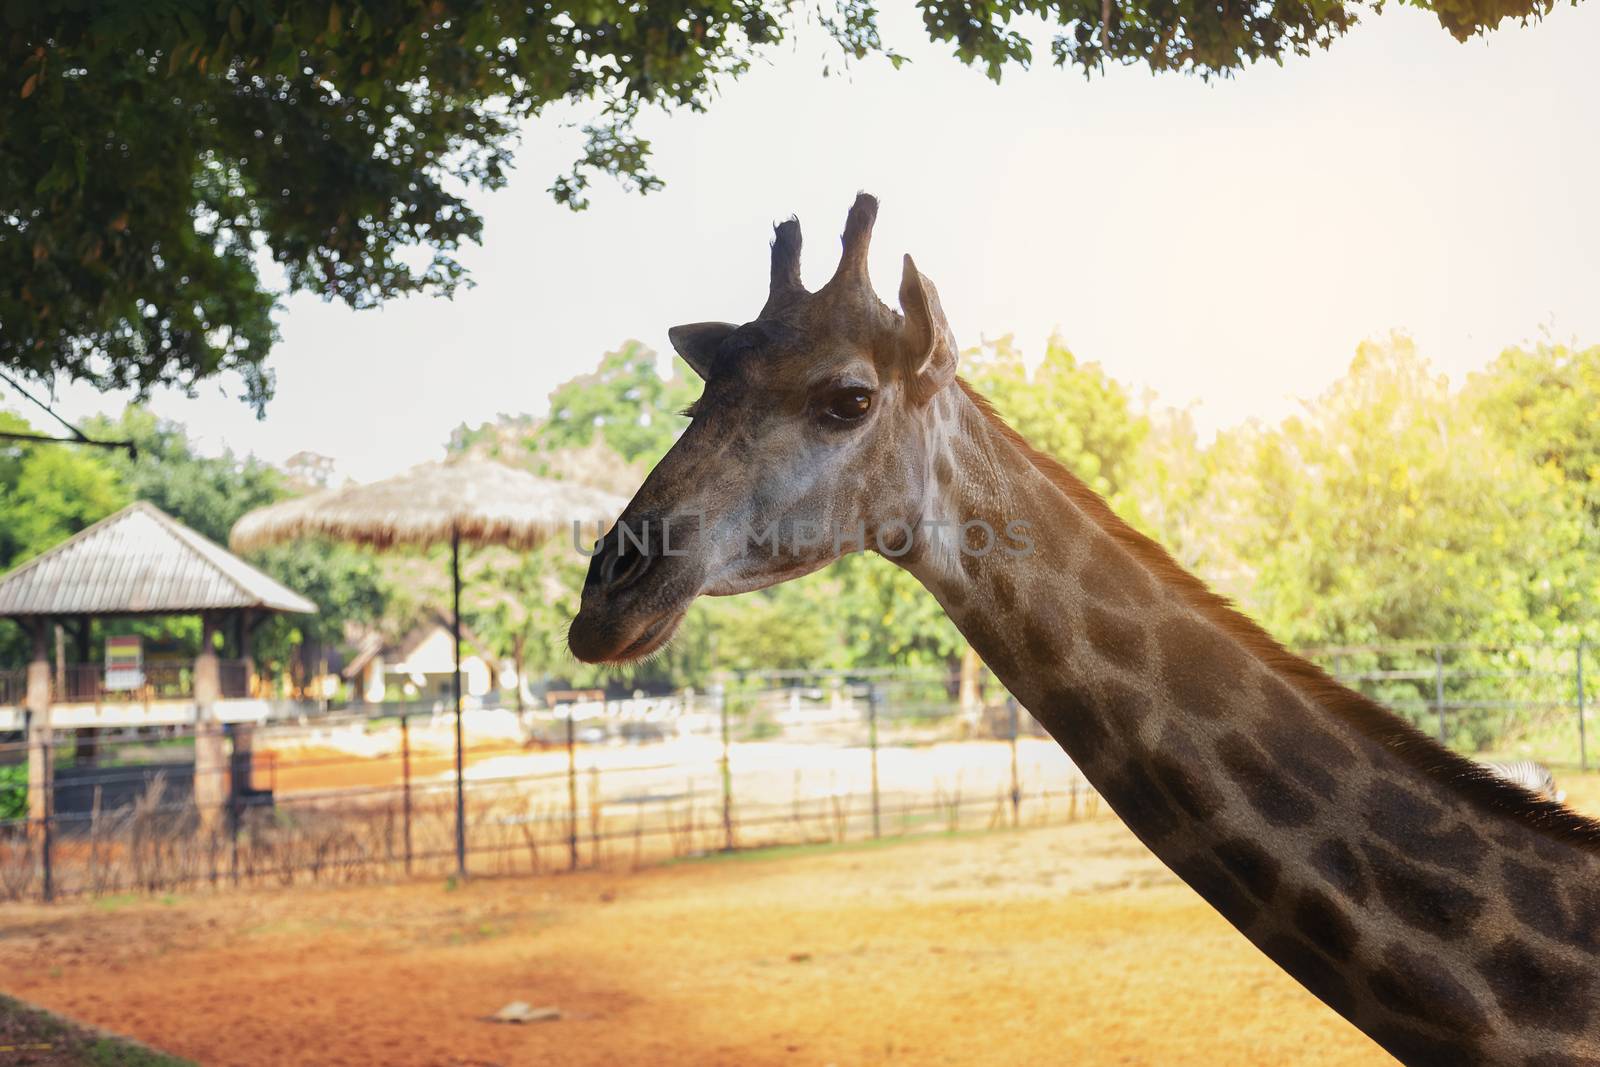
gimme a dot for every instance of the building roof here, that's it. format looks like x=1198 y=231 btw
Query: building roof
x=141 y=561
x=397 y=654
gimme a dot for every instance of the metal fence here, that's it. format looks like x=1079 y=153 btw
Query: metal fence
x=765 y=759
x=1525 y=700
x=356 y=797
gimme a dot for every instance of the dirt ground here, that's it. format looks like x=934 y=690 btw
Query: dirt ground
x=1061 y=945
x=33 y=1038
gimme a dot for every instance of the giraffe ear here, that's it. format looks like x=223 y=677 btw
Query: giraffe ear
x=698 y=342
x=929 y=348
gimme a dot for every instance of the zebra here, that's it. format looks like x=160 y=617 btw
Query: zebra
x=1534 y=777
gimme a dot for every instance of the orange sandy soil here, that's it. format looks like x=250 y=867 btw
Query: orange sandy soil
x=1063 y=945
x=312 y=768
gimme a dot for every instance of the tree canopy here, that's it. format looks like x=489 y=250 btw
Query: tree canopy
x=171 y=169
x=1394 y=506
x=49 y=492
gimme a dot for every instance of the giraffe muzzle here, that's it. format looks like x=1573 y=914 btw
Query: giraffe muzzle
x=633 y=600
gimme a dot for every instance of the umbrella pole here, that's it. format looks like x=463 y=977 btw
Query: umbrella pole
x=455 y=635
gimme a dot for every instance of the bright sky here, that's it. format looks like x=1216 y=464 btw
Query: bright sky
x=1226 y=245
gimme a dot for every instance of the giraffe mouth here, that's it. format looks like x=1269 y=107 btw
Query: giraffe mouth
x=596 y=639
x=650 y=640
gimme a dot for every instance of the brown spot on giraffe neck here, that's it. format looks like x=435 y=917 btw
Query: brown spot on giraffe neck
x=1177 y=765
x=1043 y=642
x=1071 y=716
x=1267 y=790
x=1569 y=914
x=1004 y=590
x=1340 y=867
x=1250 y=864
x=1133 y=794
x=1417 y=1048
x=1411 y=824
x=1217 y=888
x=1202 y=670
x=1115 y=638
x=1434 y=903
x=1411 y=984
x=1112 y=577
x=1535 y=989
x=1322 y=923
x=1327 y=982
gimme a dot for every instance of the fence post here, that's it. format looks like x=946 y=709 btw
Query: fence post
x=405 y=782
x=1438 y=688
x=235 y=802
x=1583 y=744
x=872 y=744
x=47 y=837
x=572 y=796
x=1016 y=782
x=596 y=816
x=727 y=777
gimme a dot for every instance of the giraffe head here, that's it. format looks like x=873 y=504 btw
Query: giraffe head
x=809 y=441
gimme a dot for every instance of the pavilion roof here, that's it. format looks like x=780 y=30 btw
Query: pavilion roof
x=140 y=561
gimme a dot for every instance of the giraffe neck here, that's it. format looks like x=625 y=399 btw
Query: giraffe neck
x=1448 y=929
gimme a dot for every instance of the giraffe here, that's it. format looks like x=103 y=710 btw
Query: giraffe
x=1452 y=917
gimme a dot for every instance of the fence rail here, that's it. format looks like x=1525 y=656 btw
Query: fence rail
x=359 y=797
x=85 y=683
x=761 y=759
x=1513 y=699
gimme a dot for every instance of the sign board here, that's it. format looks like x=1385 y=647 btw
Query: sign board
x=124 y=663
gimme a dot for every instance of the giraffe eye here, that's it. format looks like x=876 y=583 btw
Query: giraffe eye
x=850 y=404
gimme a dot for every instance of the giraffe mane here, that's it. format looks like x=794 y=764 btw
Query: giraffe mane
x=1471 y=780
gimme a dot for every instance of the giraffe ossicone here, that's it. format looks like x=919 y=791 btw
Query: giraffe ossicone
x=1453 y=917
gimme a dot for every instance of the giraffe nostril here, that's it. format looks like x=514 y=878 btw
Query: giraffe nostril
x=624 y=568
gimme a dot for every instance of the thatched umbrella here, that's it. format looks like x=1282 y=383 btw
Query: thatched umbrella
x=473 y=501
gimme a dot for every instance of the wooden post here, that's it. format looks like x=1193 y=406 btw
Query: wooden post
x=210 y=764
x=455 y=637
x=572 y=796
x=872 y=745
x=970 y=693
x=727 y=778
x=1016 y=782
x=405 y=780
x=41 y=757
x=37 y=705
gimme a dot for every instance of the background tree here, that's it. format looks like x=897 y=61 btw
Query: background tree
x=626 y=403
x=1393 y=507
x=1544 y=402
x=1389 y=512
x=49 y=492
x=210 y=493
x=206 y=493
x=1072 y=411
x=156 y=154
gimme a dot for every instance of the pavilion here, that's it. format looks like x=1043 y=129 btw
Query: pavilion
x=138 y=563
